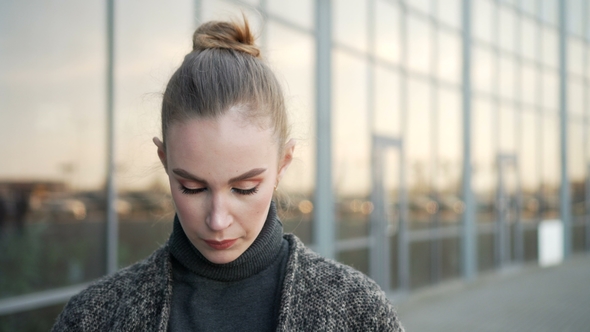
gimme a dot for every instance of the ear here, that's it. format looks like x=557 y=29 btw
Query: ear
x=286 y=159
x=161 y=152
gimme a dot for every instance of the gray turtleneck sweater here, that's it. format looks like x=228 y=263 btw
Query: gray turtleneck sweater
x=243 y=295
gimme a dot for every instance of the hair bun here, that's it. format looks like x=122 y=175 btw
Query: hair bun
x=228 y=35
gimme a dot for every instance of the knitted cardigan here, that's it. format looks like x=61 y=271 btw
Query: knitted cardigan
x=318 y=294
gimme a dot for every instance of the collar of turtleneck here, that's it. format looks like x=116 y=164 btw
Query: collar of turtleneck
x=256 y=258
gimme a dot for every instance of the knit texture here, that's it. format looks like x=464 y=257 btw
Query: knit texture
x=318 y=294
x=243 y=295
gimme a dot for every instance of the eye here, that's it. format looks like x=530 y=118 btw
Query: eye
x=189 y=191
x=246 y=191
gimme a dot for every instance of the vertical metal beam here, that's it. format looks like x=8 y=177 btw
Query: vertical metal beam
x=564 y=193
x=112 y=226
x=324 y=228
x=469 y=229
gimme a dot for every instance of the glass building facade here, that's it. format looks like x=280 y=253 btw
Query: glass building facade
x=433 y=136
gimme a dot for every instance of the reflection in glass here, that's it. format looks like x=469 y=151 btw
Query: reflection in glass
x=483 y=69
x=387 y=116
x=449 y=160
x=575 y=98
x=484 y=151
x=225 y=9
x=576 y=167
x=507 y=129
x=291 y=56
x=351 y=148
x=507 y=25
x=449 y=12
x=575 y=17
x=449 y=56
x=348 y=31
x=297 y=11
x=549 y=43
x=528 y=84
x=53 y=125
x=550 y=167
x=529 y=165
x=483 y=13
x=507 y=77
x=418 y=149
x=529 y=6
x=153 y=37
x=419 y=42
x=387 y=31
x=575 y=56
x=550 y=89
x=421 y=5
x=528 y=39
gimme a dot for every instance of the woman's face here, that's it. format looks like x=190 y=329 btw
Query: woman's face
x=222 y=176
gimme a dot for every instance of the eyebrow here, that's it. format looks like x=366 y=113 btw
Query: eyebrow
x=251 y=173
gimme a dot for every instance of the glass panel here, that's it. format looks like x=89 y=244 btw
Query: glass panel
x=449 y=56
x=420 y=267
x=577 y=167
x=484 y=152
x=387 y=31
x=575 y=16
x=418 y=147
x=529 y=6
x=507 y=129
x=53 y=125
x=152 y=38
x=352 y=145
x=419 y=44
x=528 y=87
x=529 y=165
x=292 y=57
x=575 y=57
x=550 y=47
x=449 y=148
x=450 y=256
x=550 y=11
x=421 y=5
x=483 y=13
x=350 y=32
x=529 y=39
x=483 y=69
x=507 y=77
x=575 y=98
x=224 y=10
x=387 y=118
x=300 y=12
x=449 y=12
x=550 y=90
x=550 y=167
x=507 y=25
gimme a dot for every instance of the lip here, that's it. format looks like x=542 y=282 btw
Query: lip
x=220 y=245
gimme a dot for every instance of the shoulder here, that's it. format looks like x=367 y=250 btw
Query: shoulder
x=99 y=306
x=335 y=290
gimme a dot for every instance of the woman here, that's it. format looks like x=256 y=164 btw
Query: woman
x=227 y=265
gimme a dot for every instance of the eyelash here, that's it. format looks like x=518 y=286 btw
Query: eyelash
x=244 y=192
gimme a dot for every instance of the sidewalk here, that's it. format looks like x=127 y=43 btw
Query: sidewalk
x=530 y=299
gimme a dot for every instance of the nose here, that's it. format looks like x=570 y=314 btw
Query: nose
x=219 y=217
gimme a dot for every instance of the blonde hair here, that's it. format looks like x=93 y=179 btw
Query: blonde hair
x=225 y=69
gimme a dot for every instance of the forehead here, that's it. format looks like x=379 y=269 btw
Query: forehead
x=229 y=141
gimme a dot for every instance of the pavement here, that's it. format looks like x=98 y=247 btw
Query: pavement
x=529 y=298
